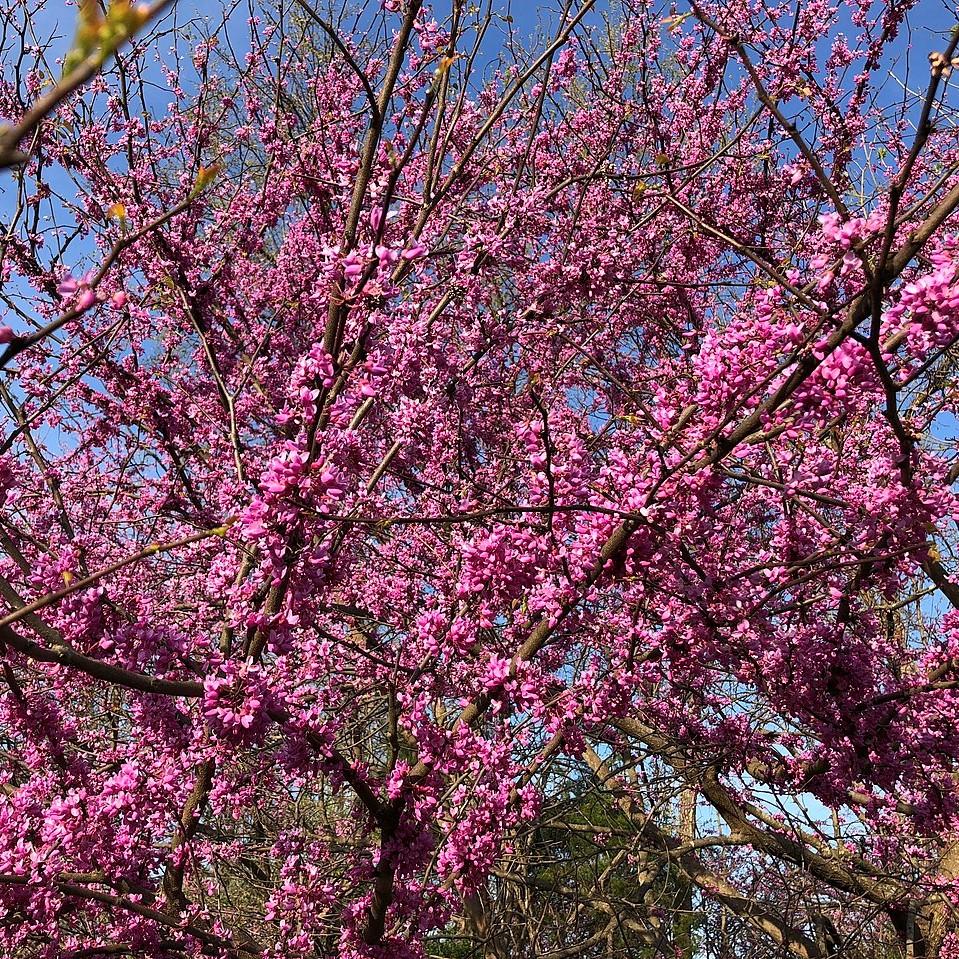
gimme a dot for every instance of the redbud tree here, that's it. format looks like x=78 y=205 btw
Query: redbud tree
x=479 y=485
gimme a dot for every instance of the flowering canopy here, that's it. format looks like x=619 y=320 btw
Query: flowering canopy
x=472 y=494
